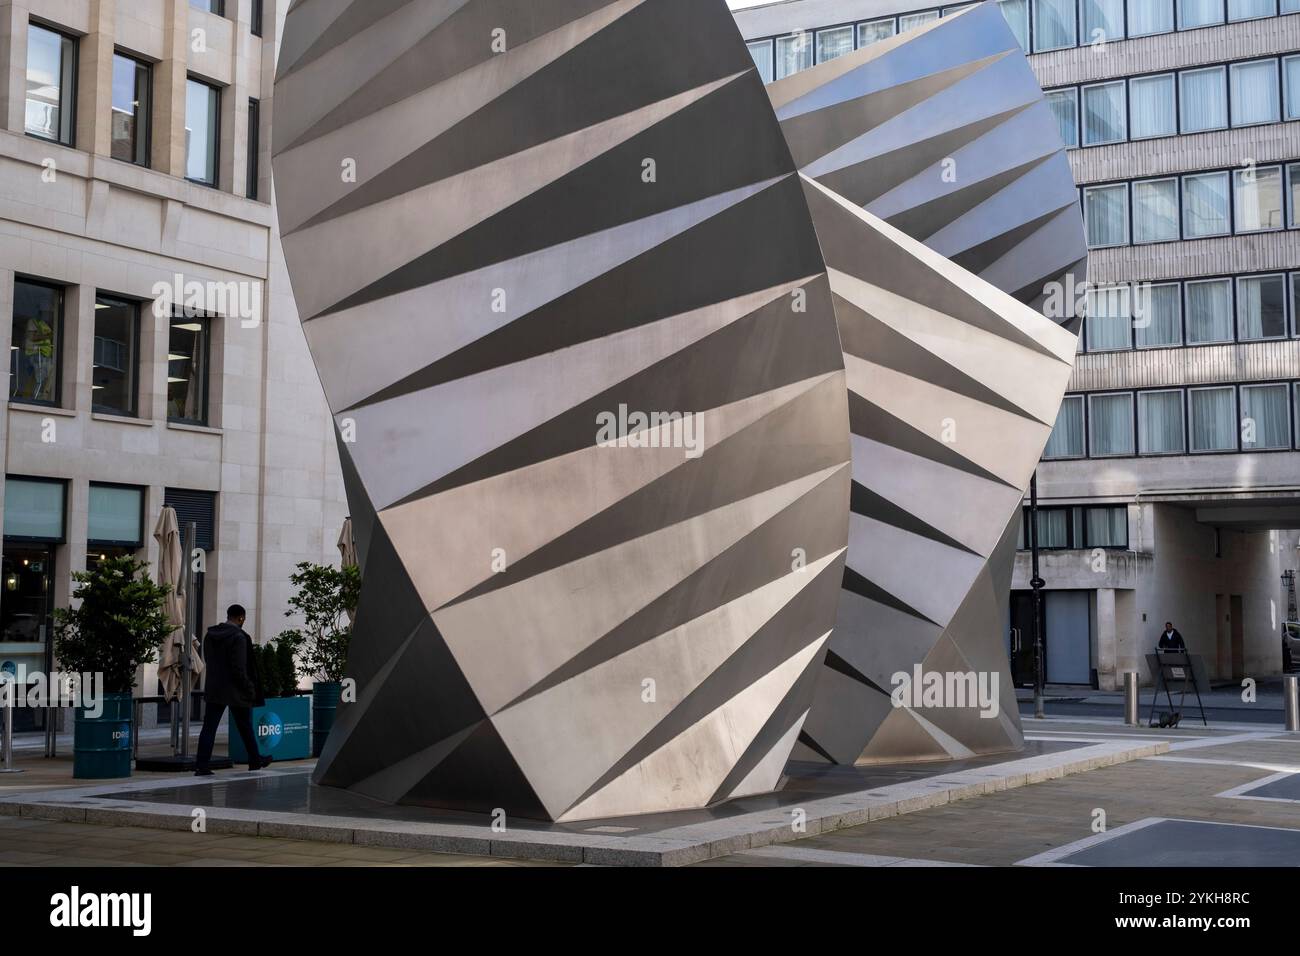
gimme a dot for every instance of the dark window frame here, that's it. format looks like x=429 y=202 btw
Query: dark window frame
x=147 y=133
x=140 y=540
x=44 y=480
x=207 y=321
x=216 y=139
x=76 y=84
x=254 y=171
x=137 y=305
x=60 y=329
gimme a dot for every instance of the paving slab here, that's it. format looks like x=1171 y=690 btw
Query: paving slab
x=815 y=800
x=1163 y=842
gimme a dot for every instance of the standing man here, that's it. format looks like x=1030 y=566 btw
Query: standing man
x=233 y=682
x=1170 y=639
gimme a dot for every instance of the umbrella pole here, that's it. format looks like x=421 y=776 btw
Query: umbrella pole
x=191 y=532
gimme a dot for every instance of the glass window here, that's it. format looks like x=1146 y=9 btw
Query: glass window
x=255 y=18
x=1205 y=205
x=1160 y=423
x=1016 y=13
x=1054 y=24
x=113 y=376
x=1199 y=13
x=1291 y=86
x=1151 y=105
x=1054 y=527
x=1103 y=20
x=1295 y=413
x=949 y=11
x=1213 y=414
x=188 y=352
x=1067 y=437
x=36 y=350
x=1251 y=9
x=762 y=54
x=1265 y=416
x=1157 y=315
x=1254 y=93
x=51 y=85
x=202 y=130
x=254 y=174
x=875 y=31
x=34 y=509
x=132 y=82
x=910 y=21
x=116 y=516
x=1146 y=17
x=1110 y=424
x=1105 y=210
x=1291 y=6
x=1109 y=322
x=210 y=6
x=1155 y=210
x=1293 y=188
x=1203 y=99
x=1295 y=303
x=793 y=53
x=1257 y=198
x=1104 y=114
x=1209 y=311
x=1261 y=307
x=1065 y=107
x=834 y=43
x=1106 y=527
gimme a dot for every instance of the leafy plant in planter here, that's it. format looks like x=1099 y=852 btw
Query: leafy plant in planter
x=323 y=596
x=117 y=626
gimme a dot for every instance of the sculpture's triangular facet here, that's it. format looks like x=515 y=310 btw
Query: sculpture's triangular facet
x=596 y=433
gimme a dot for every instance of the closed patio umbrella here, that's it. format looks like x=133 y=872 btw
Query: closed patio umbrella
x=171 y=655
x=348 y=554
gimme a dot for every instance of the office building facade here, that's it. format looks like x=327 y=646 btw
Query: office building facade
x=1171 y=486
x=155 y=353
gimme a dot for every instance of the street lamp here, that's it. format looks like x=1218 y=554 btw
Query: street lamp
x=1037 y=583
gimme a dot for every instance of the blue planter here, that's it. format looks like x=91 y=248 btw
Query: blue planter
x=281 y=728
x=102 y=745
x=324 y=705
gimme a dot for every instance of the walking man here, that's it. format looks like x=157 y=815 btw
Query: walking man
x=233 y=682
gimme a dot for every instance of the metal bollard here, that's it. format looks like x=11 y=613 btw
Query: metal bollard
x=7 y=728
x=1131 y=698
x=1291 y=694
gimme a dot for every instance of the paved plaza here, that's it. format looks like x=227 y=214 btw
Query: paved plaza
x=1225 y=793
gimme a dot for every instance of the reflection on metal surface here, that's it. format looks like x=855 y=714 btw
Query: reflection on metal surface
x=552 y=215
x=944 y=136
x=517 y=233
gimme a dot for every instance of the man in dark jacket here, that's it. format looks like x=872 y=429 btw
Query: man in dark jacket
x=232 y=682
x=1170 y=639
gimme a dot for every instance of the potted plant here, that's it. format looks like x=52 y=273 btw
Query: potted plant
x=324 y=598
x=118 y=623
x=281 y=724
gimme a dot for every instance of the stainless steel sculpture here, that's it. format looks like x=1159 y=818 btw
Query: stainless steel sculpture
x=944 y=136
x=944 y=133
x=509 y=225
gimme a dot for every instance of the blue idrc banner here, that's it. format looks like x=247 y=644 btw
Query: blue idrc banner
x=283 y=730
